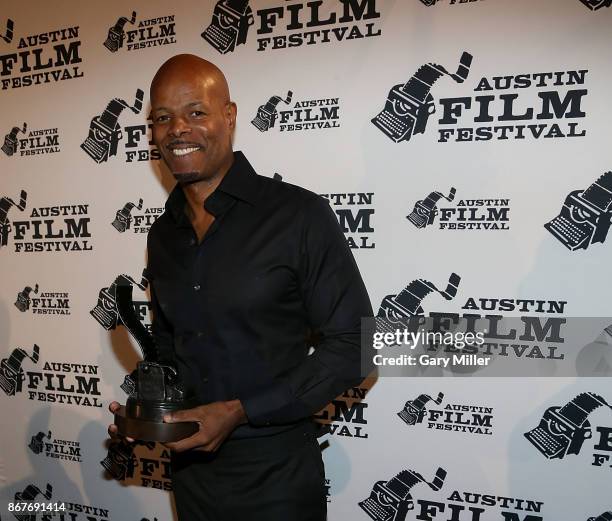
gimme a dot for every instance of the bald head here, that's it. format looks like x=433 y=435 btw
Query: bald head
x=193 y=118
x=194 y=69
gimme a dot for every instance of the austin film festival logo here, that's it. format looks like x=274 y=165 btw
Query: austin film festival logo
x=454 y=417
x=67 y=450
x=145 y=464
x=563 y=430
x=58 y=508
x=35 y=142
x=315 y=114
x=58 y=228
x=560 y=96
x=6 y=204
x=136 y=218
x=41 y=58
x=531 y=337
x=145 y=33
x=281 y=26
x=45 y=303
x=394 y=499
x=56 y=382
x=105 y=311
x=105 y=133
x=344 y=416
x=469 y=214
x=585 y=216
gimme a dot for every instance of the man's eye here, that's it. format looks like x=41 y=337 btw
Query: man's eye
x=198 y=113
x=161 y=119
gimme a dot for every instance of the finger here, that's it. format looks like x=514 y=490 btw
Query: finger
x=186 y=415
x=113 y=406
x=113 y=432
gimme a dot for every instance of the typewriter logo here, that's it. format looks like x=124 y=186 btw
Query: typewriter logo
x=120 y=461
x=409 y=105
x=23 y=298
x=585 y=216
x=391 y=500
x=105 y=311
x=414 y=410
x=11 y=373
x=6 y=203
x=9 y=146
x=116 y=34
x=30 y=493
x=37 y=443
x=104 y=130
x=123 y=217
x=594 y=5
x=267 y=114
x=8 y=33
x=606 y=516
x=425 y=210
x=407 y=303
x=146 y=464
x=229 y=25
x=562 y=430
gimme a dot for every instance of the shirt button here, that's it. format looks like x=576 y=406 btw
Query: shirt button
x=205 y=380
x=192 y=242
x=199 y=334
x=197 y=287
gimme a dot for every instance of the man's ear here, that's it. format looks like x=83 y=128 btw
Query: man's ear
x=231 y=110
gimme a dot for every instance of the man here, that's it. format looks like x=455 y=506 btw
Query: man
x=242 y=268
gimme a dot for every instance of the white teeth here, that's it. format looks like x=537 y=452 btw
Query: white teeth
x=183 y=151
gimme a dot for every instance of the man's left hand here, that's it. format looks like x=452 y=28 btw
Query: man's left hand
x=216 y=421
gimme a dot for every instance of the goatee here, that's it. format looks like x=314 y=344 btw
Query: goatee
x=186 y=178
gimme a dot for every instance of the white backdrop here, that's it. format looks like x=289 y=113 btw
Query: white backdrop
x=342 y=57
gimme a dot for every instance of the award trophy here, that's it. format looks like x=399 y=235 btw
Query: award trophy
x=154 y=388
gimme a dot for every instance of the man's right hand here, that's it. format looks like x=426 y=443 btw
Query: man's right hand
x=112 y=428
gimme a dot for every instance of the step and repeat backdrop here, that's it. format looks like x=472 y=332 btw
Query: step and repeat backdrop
x=465 y=148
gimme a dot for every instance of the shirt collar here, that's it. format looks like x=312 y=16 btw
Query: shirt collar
x=240 y=182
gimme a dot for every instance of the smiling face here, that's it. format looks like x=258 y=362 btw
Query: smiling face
x=193 y=118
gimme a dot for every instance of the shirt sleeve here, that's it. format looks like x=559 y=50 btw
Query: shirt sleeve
x=161 y=329
x=335 y=299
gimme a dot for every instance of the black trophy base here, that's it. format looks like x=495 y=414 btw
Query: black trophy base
x=132 y=423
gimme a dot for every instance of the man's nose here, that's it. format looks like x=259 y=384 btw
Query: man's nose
x=179 y=127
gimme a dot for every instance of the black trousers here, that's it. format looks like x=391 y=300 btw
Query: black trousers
x=272 y=478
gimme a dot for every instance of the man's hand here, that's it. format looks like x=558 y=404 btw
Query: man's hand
x=112 y=429
x=216 y=422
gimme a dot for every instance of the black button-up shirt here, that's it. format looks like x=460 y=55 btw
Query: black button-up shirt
x=234 y=311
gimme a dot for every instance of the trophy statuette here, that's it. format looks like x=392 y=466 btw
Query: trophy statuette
x=154 y=388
